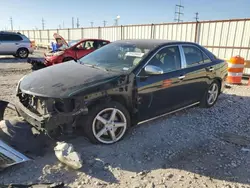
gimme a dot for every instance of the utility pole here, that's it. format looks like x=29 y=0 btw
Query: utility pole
x=73 y=22
x=178 y=12
x=43 y=24
x=59 y=26
x=63 y=24
x=92 y=24
x=197 y=16
x=77 y=23
x=11 y=23
x=104 y=23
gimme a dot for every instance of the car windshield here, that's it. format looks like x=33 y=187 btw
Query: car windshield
x=73 y=42
x=117 y=56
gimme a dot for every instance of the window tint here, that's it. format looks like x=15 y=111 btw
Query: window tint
x=102 y=43
x=194 y=56
x=168 y=59
x=10 y=37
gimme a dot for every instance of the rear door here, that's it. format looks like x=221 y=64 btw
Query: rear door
x=197 y=72
x=10 y=43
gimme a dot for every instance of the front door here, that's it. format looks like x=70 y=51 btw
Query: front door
x=161 y=93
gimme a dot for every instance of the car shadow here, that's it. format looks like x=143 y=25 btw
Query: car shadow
x=184 y=141
x=194 y=140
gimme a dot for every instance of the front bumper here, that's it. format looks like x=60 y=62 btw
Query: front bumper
x=47 y=122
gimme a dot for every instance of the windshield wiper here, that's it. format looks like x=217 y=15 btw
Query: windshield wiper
x=96 y=67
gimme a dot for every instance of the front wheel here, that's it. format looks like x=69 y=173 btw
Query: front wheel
x=107 y=123
x=211 y=95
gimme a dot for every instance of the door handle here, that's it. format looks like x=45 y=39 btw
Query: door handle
x=181 y=77
x=210 y=69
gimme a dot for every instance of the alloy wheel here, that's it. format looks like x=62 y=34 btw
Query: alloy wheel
x=212 y=94
x=109 y=125
x=23 y=53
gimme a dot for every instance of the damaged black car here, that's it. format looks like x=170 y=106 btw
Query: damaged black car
x=120 y=85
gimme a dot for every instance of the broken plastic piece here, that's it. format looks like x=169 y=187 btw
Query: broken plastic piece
x=66 y=154
x=9 y=156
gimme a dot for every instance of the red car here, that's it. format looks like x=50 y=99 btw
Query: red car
x=73 y=50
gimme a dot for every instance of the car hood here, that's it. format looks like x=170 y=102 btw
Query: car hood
x=57 y=36
x=64 y=80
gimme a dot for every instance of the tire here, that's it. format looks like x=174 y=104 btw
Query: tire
x=22 y=53
x=208 y=102
x=105 y=110
x=67 y=59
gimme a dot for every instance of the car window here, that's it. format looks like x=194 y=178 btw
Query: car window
x=194 y=56
x=102 y=43
x=91 y=45
x=11 y=37
x=168 y=59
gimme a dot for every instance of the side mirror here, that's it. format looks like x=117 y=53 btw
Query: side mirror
x=153 y=70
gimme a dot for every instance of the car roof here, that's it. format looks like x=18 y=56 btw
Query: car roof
x=152 y=43
x=10 y=32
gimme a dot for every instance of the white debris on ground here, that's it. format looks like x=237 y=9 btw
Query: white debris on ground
x=66 y=154
x=185 y=149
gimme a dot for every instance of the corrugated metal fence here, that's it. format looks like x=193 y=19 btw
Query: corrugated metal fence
x=225 y=38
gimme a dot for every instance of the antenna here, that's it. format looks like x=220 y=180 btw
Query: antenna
x=77 y=23
x=11 y=23
x=104 y=23
x=43 y=24
x=178 y=12
x=196 y=16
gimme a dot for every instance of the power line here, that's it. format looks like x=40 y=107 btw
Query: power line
x=92 y=24
x=43 y=24
x=196 y=16
x=178 y=12
x=11 y=23
x=77 y=23
x=104 y=23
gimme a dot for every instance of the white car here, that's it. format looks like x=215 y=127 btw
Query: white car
x=15 y=44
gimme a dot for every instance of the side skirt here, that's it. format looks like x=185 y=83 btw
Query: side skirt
x=168 y=113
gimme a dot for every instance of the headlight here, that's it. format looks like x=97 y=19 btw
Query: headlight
x=18 y=84
x=58 y=53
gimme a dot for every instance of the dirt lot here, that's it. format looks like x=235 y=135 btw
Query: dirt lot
x=191 y=148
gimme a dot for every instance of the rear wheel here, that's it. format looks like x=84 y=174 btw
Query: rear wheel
x=107 y=123
x=22 y=53
x=211 y=95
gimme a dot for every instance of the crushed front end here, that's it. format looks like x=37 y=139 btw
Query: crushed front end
x=49 y=114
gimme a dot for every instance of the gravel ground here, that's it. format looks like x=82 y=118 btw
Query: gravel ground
x=192 y=148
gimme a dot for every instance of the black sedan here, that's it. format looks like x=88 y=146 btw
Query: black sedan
x=119 y=85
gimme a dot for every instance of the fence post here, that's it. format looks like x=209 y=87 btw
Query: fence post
x=82 y=33
x=99 y=33
x=197 y=32
x=68 y=35
x=40 y=33
x=121 y=32
x=48 y=36
x=152 y=31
